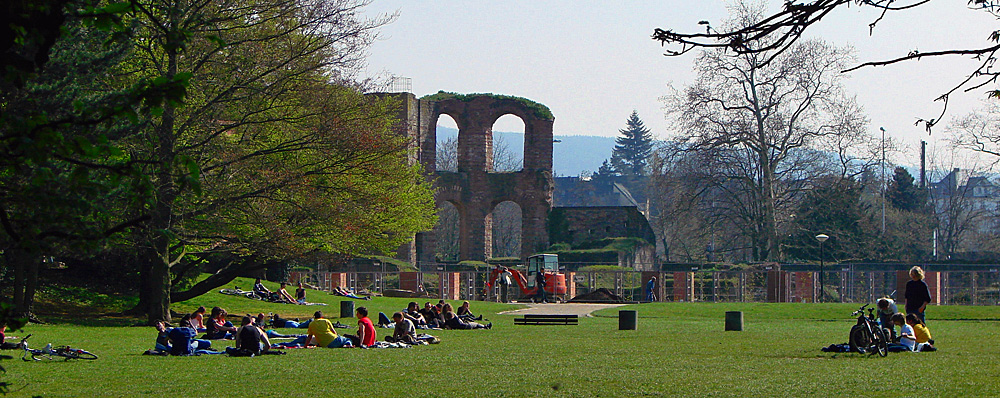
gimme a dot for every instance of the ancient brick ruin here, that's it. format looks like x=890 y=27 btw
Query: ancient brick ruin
x=476 y=189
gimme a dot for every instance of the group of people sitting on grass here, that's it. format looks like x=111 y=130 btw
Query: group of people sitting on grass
x=441 y=316
x=913 y=332
x=281 y=295
x=252 y=339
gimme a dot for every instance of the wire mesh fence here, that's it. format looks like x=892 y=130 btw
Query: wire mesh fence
x=846 y=284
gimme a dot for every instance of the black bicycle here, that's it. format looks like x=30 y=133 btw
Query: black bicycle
x=49 y=352
x=866 y=336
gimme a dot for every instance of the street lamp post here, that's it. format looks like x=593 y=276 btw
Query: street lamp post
x=821 y=238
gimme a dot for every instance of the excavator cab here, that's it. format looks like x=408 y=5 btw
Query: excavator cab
x=555 y=282
x=548 y=263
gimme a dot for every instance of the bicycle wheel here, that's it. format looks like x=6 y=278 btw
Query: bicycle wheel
x=231 y=292
x=881 y=342
x=38 y=356
x=860 y=339
x=81 y=354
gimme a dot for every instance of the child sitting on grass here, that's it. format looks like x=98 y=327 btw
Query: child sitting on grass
x=921 y=334
x=886 y=309
x=907 y=339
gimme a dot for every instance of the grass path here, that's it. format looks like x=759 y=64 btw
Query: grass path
x=578 y=309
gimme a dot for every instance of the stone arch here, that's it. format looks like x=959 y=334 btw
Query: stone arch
x=507 y=223
x=446 y=148
x=474 y=187
x=507 y=152
x=448 y=231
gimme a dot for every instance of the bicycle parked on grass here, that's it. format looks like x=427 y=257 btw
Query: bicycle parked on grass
x=236 y=291
x=48 y=352
x=867 y=337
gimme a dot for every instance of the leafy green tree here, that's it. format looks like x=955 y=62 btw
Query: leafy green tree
x=632 y=148
x=273 y=153
x=903 y=194
x=61 y=177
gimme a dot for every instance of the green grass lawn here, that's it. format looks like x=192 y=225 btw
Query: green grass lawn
x=679 y=349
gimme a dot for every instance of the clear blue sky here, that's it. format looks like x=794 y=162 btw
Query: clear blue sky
x=592 y=63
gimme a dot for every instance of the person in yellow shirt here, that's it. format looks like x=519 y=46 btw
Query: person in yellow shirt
x=920 y=333
x=322 y=331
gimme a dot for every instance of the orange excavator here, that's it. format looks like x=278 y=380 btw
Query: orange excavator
x=548 y=264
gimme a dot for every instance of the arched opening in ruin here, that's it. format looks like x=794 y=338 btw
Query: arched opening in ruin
x=506 y=229
x=508 y=144
x=448 y=232
x=446 y=158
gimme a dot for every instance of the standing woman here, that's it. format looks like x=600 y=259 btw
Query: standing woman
x=917 y=294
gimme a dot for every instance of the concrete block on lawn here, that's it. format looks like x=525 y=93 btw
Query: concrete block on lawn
x=734 y=321
x=347 y=309
x=627 y=319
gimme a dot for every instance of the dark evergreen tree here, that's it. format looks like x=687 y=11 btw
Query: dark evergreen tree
x=902 y=193
x=632 y=148
x=605 y=171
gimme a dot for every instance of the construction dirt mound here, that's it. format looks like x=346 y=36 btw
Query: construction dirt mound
x=601 y=295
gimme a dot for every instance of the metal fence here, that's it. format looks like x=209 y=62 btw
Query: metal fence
x=848 y=284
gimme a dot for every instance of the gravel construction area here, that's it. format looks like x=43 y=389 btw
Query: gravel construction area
x=562 y=309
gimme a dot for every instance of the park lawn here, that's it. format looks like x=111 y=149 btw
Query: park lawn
x=679 y=349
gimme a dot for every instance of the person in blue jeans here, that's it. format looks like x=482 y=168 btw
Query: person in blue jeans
x=182 y=341
x=279 y=322
x=650 y=289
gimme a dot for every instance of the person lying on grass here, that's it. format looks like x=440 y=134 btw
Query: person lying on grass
x=453 y=321
x=279 y=322
x=321 y=333
x=218 y=327
x=466 y=314
x=251 y=339
x=182 y=341
x=404 y=331
x=347 y=293
x=366 y=330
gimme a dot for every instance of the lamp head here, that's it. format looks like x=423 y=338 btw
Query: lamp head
x=822 y=237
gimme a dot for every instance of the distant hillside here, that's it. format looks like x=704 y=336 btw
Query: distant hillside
x=574 y=154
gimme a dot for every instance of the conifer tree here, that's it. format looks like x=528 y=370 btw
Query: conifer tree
x=902 y=193
x=632 y=148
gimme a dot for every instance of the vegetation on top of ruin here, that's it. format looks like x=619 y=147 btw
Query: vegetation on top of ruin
x=539 y=110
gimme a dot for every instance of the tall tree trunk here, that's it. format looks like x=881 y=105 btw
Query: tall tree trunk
x=25 y=280
x=31 y=285
x=16 y=257
x=159 y=255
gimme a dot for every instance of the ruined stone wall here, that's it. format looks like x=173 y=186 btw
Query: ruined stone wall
x=575 y=225
x=476 y=189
